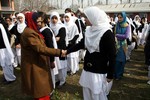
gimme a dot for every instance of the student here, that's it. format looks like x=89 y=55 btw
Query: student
x=72 y=35
x=60 y=33
x=142 y=31
x=99 y=60
x=17 y=31
x=81 y=28
x=6 y=54
x=36 y=78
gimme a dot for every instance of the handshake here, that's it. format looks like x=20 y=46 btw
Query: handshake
x=63 y=53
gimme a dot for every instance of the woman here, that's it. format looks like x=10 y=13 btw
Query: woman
x=72 y=35
x=60 y=34
x=122 y=32
x=99 y=60
x=35 y=74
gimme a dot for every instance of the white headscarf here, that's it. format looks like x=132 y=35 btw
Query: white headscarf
x=130 y=32
x=58 y=25
x=100 y=24
x=72 y=29
x=13 y=17
x=137 y=21
x=21 y=26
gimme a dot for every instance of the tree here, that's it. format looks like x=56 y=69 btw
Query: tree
x=32 y=5
x=18 y=5
x=120 y=1
x=106 y=2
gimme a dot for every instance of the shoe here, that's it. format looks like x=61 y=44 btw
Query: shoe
x=68 y=72
x=148 y=82
x=117 y=79
x=9 y=82
x=15 y=65
x=61 y=85
x=4 y=80
x=57 y=83
x=128 y=60
x=71 y=74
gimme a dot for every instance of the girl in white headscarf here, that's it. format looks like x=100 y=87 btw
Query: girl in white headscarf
x=60 y=35
x=6 y=54
x=72 y=35
x=17 y=30
x=136 y=21
x=142 y=31
x=99 y=61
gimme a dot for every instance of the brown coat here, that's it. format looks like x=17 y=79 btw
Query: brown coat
x=35 y=70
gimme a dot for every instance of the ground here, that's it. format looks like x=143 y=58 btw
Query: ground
x=133 y=86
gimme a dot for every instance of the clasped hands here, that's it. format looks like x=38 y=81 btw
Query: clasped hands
x=63 y=53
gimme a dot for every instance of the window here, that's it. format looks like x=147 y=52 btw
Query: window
x=5 y=3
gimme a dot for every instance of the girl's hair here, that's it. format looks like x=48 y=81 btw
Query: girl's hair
x=142 y=24
x=44 y=16
x=2 y=21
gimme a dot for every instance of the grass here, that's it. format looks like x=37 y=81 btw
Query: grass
x=133 y=86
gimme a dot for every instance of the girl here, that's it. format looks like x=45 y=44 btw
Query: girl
x=72 y=35
x=99 y=61
x=60 y=34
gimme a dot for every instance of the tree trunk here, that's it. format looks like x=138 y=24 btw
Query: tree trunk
x=120 y=1
x=106 y=2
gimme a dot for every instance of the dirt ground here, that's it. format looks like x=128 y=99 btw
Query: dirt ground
x=133 y=86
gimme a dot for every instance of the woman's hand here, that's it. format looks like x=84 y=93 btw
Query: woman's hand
x=57 y=38
x=52 y=65
x=18 y=46
x=64 y=53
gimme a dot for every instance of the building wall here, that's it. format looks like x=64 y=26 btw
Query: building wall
x=6 y=7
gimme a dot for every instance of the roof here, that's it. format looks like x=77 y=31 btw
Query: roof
x=132 y=7
x=115 y=8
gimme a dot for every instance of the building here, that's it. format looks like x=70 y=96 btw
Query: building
x=6 y=7
x=132 y=9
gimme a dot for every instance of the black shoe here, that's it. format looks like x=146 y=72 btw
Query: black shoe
x=68 y=72
x=4 y=80
x=128 y=60
x=57 y=83
x=9 y=82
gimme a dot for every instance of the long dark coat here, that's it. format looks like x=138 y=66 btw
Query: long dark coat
x=35 y=70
